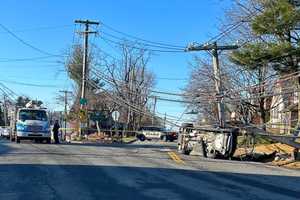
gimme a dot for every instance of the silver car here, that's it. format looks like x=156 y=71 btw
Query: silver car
x=5 y=132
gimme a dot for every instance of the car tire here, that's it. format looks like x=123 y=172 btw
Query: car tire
x=186 y=152
x=142 y=138
x=48 y=141
x=164 y=138
x=211 y=153
x=18 y=140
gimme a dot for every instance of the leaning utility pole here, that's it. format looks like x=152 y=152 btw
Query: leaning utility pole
x=214 y=50
x=66 y=109
x=86 y=33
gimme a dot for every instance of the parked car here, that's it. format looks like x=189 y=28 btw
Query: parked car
x=150 y=133
x=5 y=132
x=156 y=133
x=171 y=136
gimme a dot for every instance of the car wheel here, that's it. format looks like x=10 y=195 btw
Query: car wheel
x=18 y=140
x=186 y=152
x=211 y=153
x=164 y=138
x=48 y=141
x=142 y=138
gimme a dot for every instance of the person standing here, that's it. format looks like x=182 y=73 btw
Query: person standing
x=55 y=130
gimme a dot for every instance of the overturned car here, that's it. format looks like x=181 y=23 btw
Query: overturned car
x=209 y=142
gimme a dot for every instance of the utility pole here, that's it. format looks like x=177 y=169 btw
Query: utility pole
x=66 y=108
x=85 y=70
x=4 y=110
x=129 y=96
x=165 y=119
x=154 y=109
x=85 y=33
x=214 y=49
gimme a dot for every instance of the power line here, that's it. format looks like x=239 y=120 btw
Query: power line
x=9 y=90
x=29 y=84
x=225 y=32
x=121 y=102
x=26 y=43
x=121 y=44
x=27 y=59
x=141 y=43
x=172 y=79
x=120 y=99
x=137 y=38
x=39 y=28
x=168 y=93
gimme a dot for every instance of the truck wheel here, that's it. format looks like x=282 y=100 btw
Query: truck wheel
x=18 y=140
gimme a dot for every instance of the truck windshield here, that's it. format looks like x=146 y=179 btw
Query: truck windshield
x=33 y=115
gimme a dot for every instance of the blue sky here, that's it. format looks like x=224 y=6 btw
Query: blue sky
x=176 y=22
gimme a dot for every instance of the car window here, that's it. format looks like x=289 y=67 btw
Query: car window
x=152 y=128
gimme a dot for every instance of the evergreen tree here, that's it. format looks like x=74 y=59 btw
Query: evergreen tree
x=278 y=47
x=277 y=44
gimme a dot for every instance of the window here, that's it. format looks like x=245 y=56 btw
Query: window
x=33 y=115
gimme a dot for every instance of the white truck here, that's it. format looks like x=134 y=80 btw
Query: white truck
x=30 y=123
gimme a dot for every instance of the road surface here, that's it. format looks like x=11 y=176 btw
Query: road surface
x=140 y=171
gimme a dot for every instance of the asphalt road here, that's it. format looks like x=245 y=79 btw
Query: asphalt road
x=137 y=171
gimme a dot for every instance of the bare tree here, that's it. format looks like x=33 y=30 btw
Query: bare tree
x=130 y=81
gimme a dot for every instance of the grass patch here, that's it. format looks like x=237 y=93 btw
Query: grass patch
x=128 y=139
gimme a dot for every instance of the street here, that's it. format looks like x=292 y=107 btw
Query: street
x=135 y=171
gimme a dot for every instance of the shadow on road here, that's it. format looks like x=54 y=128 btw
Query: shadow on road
x=33 y=181
x=4 y=148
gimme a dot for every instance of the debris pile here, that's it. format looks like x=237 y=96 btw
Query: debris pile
x=277 y=154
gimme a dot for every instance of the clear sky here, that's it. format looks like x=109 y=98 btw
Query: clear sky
x=176 y=22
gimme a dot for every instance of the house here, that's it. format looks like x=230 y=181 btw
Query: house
x=284 y=107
